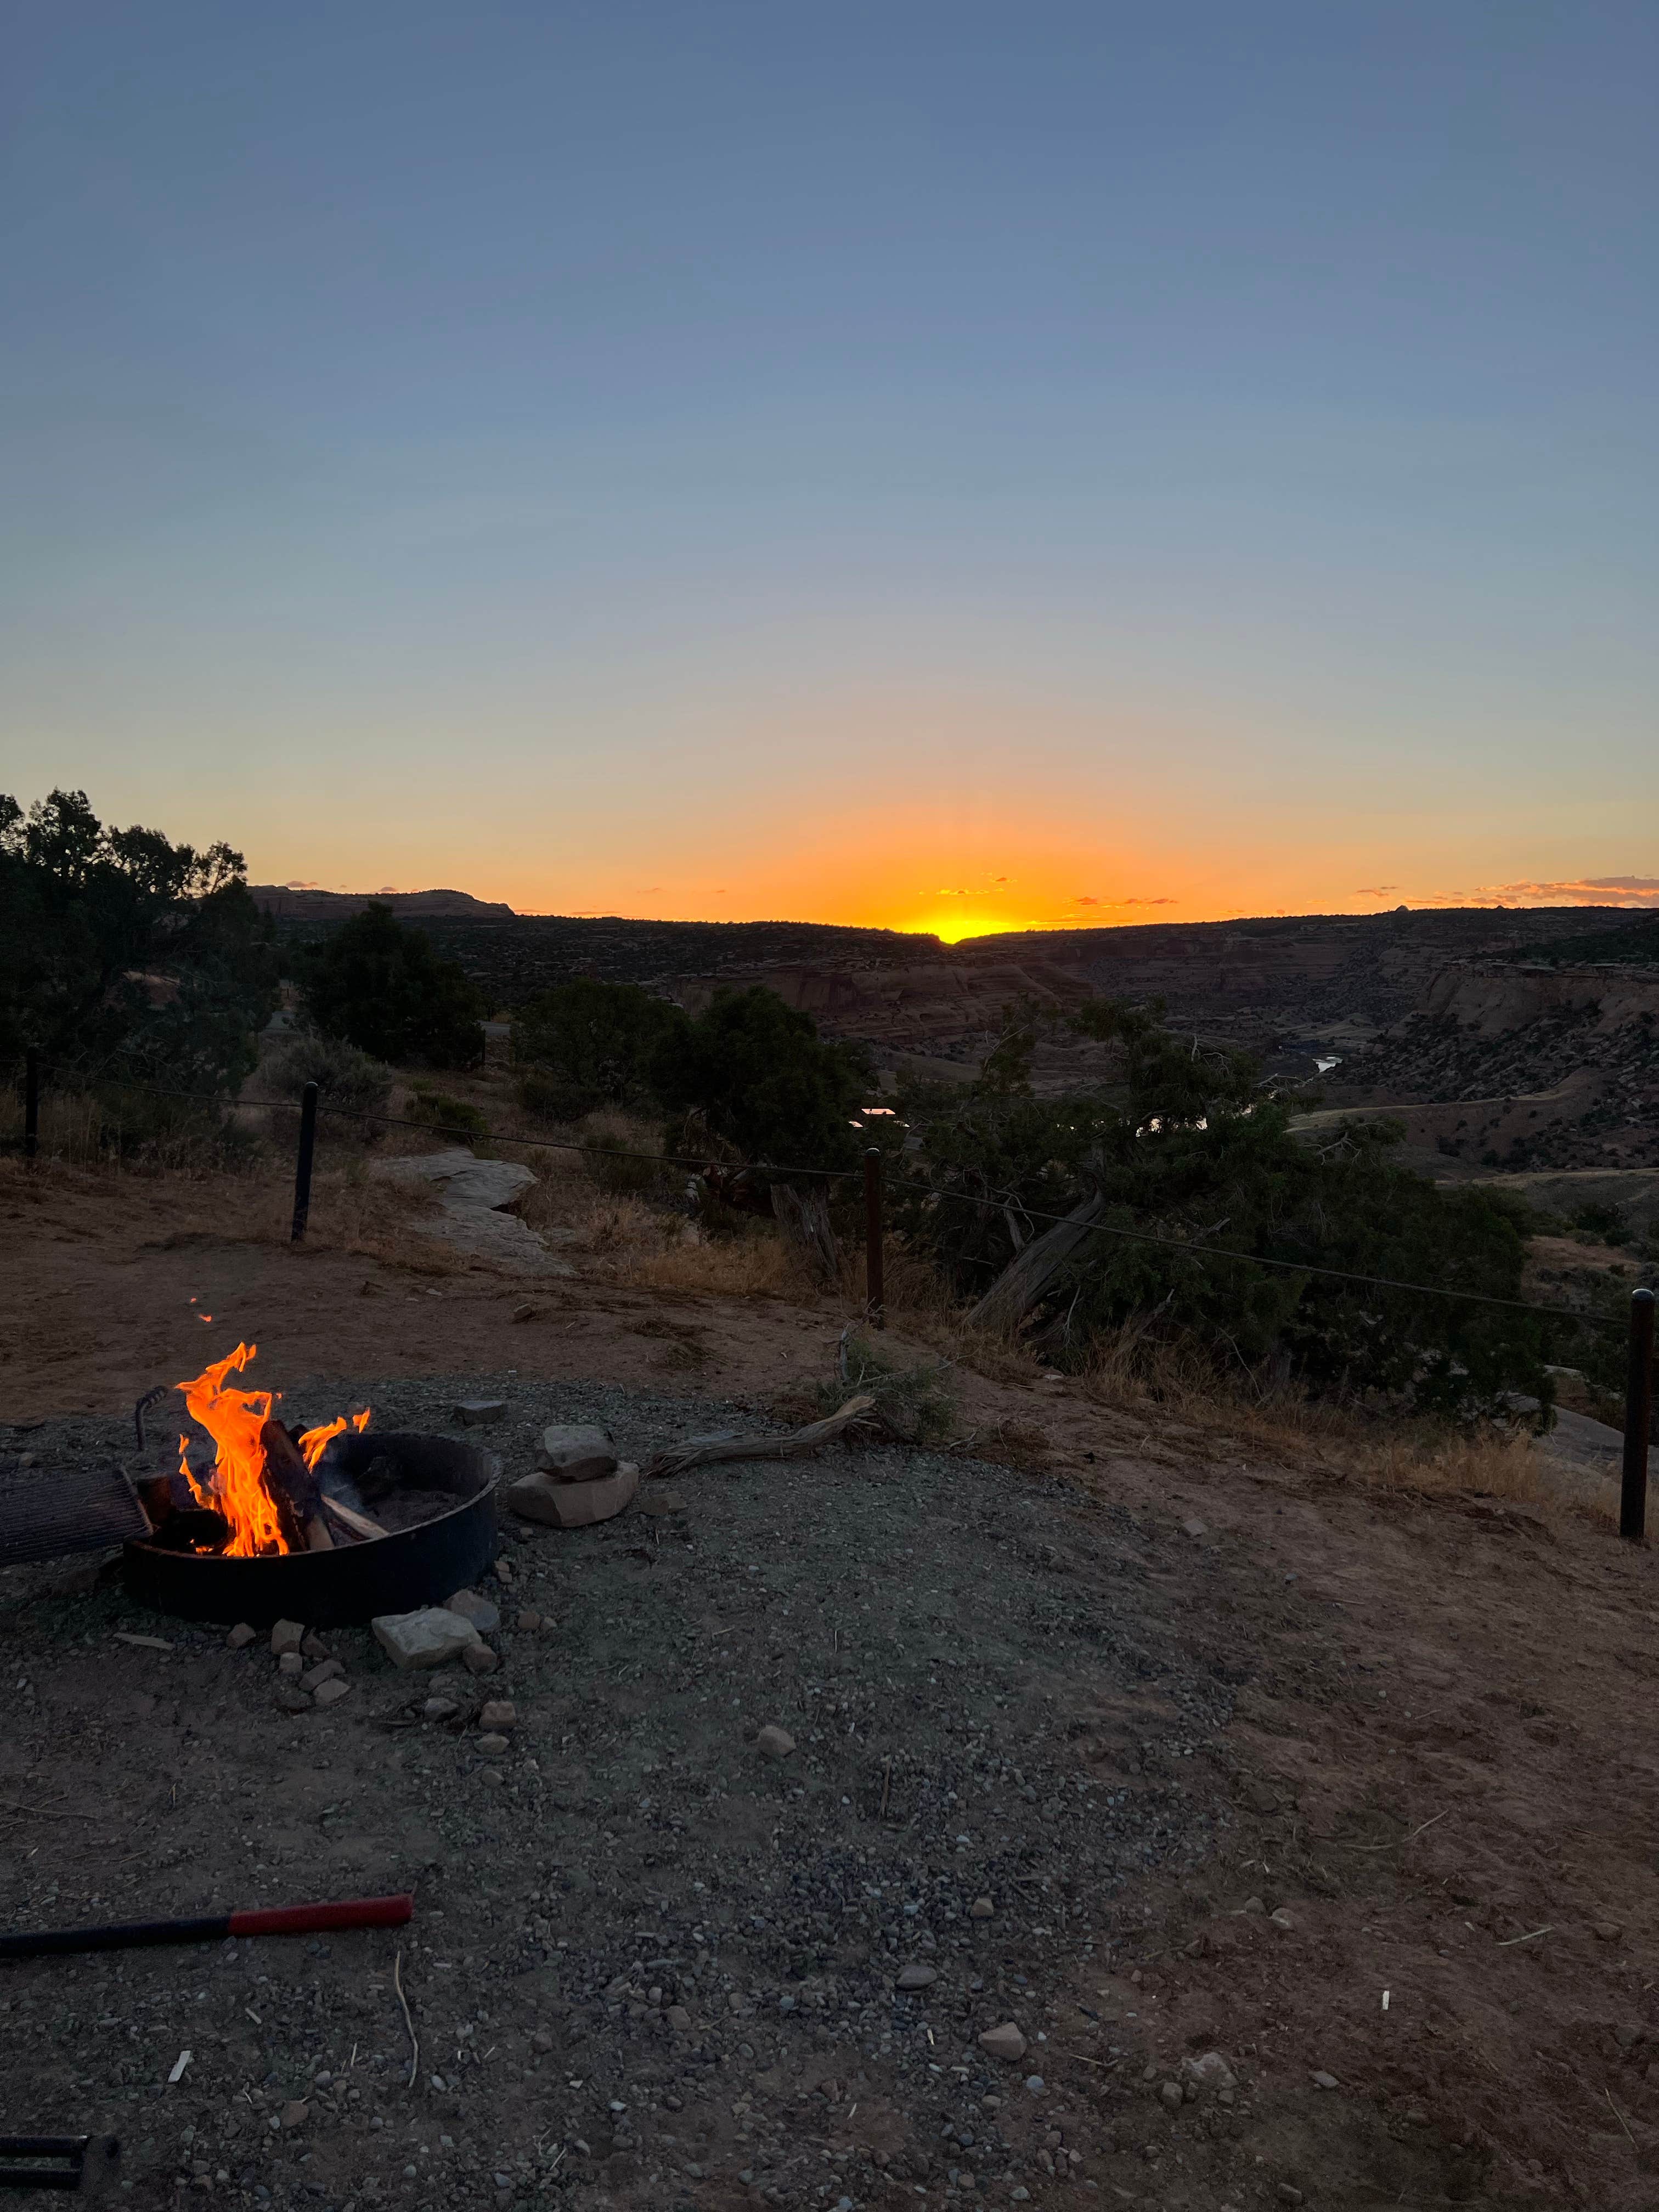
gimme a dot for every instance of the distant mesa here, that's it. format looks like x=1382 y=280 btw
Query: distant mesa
x=302 y=902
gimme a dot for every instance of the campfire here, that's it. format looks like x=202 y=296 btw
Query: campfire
x=263 y=1487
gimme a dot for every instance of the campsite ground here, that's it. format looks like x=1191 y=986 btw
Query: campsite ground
x=1251 y=1754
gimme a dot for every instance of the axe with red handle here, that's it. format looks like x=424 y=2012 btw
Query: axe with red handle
x=277 y=1920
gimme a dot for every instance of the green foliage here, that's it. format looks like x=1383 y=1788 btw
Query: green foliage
x=1185 y=1144
x=918 y=1403
x=126 y=955
x=552 y=1099
x=765 y=1082
x=617 y=1166
x=450 y=1117
x=381 y=985
x=346 y=1079
x=599 y=1039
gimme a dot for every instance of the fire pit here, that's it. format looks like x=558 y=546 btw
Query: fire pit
x=328 y=1525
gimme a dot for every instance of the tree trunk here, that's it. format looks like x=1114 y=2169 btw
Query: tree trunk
x=1028 y=1277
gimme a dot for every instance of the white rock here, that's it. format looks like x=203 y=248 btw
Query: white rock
x=426 y=1638
x=331 y=1692
x=485 y=1617
x=917 y=1977
x=1211 y=2071
x=287 y=1636
x=1003 y=2042
x=774 y=1743
x=577 y=1452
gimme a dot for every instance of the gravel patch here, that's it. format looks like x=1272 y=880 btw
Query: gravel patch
x=650 y=1962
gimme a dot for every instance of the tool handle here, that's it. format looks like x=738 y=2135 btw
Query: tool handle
x=310 y=1919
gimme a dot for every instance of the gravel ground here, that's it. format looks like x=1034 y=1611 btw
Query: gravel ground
x=649 y=1964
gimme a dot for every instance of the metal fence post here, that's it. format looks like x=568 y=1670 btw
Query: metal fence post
x=875 y=1289
x=302 y=1169
x=31 y=1102
x=1639 y=1417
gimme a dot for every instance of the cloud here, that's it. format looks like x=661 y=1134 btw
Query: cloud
x=295 y=885
x=1141 y=901
x=1374 y=891
x=1081 y=900
x=1638 y=891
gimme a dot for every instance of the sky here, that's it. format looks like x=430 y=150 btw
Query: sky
x=954 y=466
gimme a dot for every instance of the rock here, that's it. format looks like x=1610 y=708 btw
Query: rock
x=440 y=1709
x=1281 y=1919
x=528 y=1311
x=528 y=1622
x=330 y=1692
x=314 y=1677
x=1260 y=1797
x=1003 y=2042
x=311 y=1645
x=1325 y=2081
x=1287 y=2193
x=565 y=1505
x=287 y=1636
x=492 y=1746
x=1211 y=2071
x=981 y=1909
x=679 y=2019
x=293 y=2115
x=541 y=2041
x=479 y=1659
x=1606 y=1931
x=479 y=1412
x=577 y=1452
x=1196 y=1527
x=241 y=1636
x=1251 y=1906
x=917 y=1977
x=290 y=1666
x=485 y=1617
x=499 y=1715
x=291 y=1699
x=1172 y=2095
x=471 y=1193
x=424 y=1638
x=774 y=1743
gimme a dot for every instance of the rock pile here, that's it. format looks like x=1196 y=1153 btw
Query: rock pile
x=578 y=1479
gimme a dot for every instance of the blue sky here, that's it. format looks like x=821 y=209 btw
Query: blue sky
x=913 y=464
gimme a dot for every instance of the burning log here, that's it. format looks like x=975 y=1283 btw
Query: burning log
x=294 y=1491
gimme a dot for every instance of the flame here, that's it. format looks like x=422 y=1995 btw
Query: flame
x=315 y=1442
x=237 y=1487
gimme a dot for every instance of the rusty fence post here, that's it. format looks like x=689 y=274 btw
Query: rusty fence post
x=1638 y=1419
x=31 y=1102
x=302 y=1167
x=875 y=1289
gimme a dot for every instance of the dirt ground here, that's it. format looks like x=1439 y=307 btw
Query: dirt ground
x=1356 y=1789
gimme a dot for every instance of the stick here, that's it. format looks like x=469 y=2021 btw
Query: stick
x=1528 y=1937
x=277 y=1920
x=348 y=1517
x=1617 y=2115
x=415 y=2040
x=800 y=1443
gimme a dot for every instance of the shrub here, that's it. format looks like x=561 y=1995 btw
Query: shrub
x=381 y=985
x=616 y=1166
x=1184 y=1147
x=765 y=1081
x=918 y=1403
x=346 y=1079
x=599 y=1039
x=550 y=1098
x=450 y=1117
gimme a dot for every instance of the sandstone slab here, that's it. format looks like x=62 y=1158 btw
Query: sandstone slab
x=425 y=1639
x=543 y=1496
